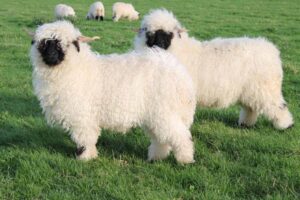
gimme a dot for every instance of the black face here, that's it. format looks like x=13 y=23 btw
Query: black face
x=159 y=38
x=51 y=52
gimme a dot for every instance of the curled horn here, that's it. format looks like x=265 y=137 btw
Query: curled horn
x=87 y=39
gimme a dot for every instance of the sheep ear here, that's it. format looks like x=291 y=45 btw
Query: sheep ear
x=30 y=33
x=182 y=30
x=87 y=39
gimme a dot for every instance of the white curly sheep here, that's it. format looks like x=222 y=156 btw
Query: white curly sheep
x=62 y=10
x=96 y=11
x=224 y=71
x=85 y=92
x=124 y=10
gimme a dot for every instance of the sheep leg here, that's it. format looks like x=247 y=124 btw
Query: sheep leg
x=86 y=143
x=280 y=116
x=178 y=136
x=248 y=116
x=182 y=145
x=158 y=151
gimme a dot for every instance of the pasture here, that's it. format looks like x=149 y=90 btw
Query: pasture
x=38 y=161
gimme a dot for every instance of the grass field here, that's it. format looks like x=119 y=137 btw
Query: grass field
x=38 y=162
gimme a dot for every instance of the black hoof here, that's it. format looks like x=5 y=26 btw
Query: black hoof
x=79 y=151
x=101 y=18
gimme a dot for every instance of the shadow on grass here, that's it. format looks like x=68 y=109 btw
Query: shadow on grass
x=22 y=124
x=116 y=145
x=56 y=140
x=227 y=116
x=19 y=106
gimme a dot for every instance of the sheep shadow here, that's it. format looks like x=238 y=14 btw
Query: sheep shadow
x=116 y=145
x=22 y=125
x=229 y=117
x=19 y=106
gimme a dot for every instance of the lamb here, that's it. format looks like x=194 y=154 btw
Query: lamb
x=85 y=92
x=242 y=70
x=96 y=11
x=61 y=11
x=124 y=10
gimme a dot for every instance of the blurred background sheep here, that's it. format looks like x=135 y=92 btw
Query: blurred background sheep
x=62 y=10
x=124 y=10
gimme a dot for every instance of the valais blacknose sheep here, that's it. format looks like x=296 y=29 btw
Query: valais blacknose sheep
x=124 y=10
x=224 y=71
x=96 y=11
x=85 y=92
x=62 y=10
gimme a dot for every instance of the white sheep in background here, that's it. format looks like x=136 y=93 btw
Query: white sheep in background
x=62 y=10
x=124 y=10
x=96 y=11
x=224 y=71
x=85 y=92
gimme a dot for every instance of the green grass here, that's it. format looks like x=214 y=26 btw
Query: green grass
x=37 y=161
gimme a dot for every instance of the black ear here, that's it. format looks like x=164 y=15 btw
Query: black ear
x=76 y=44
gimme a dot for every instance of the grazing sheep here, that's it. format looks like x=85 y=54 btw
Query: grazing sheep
x=124 y=10
x=85 y=92
x=61 y=11
x=224 y=71
x=96 y=11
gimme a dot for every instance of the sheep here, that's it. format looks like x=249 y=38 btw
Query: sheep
x=61 y=11
x=96 y=11
x=85 y=92
x=124 y=10
x=244 y=70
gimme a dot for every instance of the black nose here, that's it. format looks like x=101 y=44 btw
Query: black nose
x=51 y=52
x=159 y=38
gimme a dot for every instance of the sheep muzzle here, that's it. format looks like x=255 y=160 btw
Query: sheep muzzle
x=51 y=52
x=159 y=38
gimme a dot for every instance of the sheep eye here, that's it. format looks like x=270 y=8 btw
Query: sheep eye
x=142 y=30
